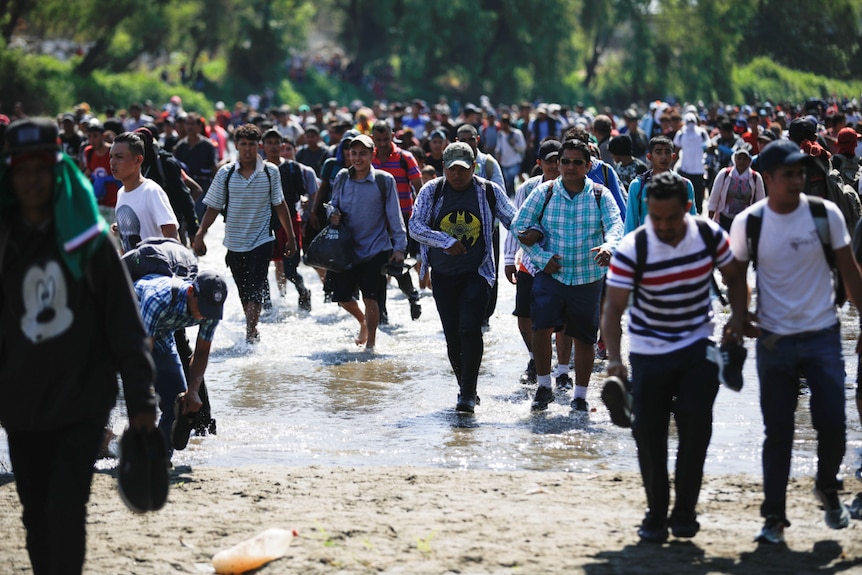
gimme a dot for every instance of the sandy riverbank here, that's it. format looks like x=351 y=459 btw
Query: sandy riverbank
x=418 y=520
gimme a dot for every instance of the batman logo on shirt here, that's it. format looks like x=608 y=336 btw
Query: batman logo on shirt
x=462 y=226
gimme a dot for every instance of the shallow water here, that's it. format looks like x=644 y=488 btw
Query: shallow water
x=307 y=395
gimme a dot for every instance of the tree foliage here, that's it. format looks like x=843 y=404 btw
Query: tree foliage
x=614 y=51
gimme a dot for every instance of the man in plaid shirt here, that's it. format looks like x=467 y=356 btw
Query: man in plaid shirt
x=569 y=228
x=169 y=304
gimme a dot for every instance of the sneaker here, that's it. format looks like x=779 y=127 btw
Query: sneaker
x=142 y=473
x=580 y=404
x=529 y=375
x=837 y=516
x=305 y=300
x=564 y=382
x=601 y=352
x=773 y=530
x=466 y=404
x=181 y=429
x=733 y=358
x=618 y=400
x=544 y=396
x=653 y=530
x=415 y=308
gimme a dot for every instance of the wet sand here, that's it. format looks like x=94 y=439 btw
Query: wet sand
x=415 y=520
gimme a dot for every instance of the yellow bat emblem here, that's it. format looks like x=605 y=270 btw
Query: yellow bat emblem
x=462 y=226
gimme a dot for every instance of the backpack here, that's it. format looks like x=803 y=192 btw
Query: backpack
x=274 y=224
x=490 y=197
x=161 y=256
x=706 y=235
x=170 y=172
x=379 y=179
x=821 y=221
x=824 y=182
x=549 y=191
x=293 y=186
x=644 y=180
x=848 y=168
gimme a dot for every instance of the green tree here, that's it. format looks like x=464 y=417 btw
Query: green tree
x=822 y=37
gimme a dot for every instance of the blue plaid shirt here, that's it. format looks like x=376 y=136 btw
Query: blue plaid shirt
x=165 y=310
x=572 y=227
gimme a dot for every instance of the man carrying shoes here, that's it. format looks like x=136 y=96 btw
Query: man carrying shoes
x=668 y=263
x=169 y=304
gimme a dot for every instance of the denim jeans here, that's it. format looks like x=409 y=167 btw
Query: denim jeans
x=170 y=382
x=53 y=473
x=817 y=355
x=684 y=383
x=461 y=301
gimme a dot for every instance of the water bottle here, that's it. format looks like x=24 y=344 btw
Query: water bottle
x=253 y=553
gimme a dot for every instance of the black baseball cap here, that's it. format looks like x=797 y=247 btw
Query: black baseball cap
x=549 y=150
x=31 y=135
x=211 y=290
x=780 y=153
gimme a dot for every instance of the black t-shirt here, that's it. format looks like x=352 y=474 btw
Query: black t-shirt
x=200 y=159
x=312 y=158
x=459 y=217
x=438 y=164
x=71 y=144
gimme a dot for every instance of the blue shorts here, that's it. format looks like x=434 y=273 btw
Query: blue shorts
x=575 y=308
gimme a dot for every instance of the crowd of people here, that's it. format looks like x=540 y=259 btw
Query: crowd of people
x=603 y=216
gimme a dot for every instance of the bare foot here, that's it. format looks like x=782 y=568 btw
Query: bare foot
x=363 y=334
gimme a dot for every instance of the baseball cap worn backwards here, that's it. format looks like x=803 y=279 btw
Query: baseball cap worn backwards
x=458 y=154
x=549 y=150
x=211 y=290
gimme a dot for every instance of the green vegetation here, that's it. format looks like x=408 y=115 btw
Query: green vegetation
x=612 y=52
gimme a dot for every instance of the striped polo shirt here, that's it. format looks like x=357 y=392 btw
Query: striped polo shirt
x=402 y=176
x=673 y=308
x=249 y=204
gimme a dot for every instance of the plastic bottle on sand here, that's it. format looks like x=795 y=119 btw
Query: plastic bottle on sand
x=254 y=552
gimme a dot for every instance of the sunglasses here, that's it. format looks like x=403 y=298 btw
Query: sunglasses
x=573 y=161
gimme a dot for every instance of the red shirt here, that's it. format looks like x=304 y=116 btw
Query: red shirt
x=402 y=176
x=105 y=186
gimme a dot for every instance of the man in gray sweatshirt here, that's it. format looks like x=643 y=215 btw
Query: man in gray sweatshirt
x=366 y=202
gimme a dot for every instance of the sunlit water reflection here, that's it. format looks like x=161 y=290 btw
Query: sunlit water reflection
x=307 y=395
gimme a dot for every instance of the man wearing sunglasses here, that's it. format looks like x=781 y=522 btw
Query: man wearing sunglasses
x=569 y=228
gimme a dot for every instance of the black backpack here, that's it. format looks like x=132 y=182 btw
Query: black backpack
x=706 y=235
x=824 y=182
x=161 y=256
x=274 y=224
x=292 y=184
x=821 y=221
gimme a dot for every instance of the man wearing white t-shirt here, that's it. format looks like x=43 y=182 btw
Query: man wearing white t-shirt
x=690 y=141
x=143 y=209
x=797 y=327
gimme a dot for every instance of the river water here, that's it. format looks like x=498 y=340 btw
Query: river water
x=305 y=394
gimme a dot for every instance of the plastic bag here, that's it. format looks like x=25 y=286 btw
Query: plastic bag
x=331 y=249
